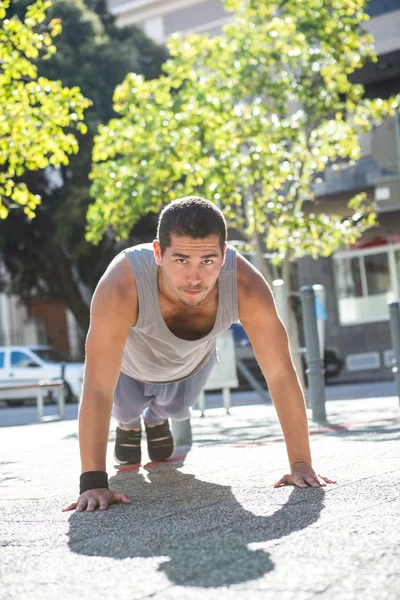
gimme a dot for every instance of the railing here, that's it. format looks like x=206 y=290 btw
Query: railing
x=18 y=391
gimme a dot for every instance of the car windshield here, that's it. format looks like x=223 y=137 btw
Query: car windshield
x=52 y=356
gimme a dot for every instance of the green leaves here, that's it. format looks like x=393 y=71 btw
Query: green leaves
x=36 y=114
x=249 y=119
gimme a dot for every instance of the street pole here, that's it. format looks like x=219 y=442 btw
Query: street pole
x=315 y=370
x=281 y=299
x=320 y=297
x=395 y=334
x=181 y=432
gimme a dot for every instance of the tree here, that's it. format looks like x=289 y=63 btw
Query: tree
x=48 y=255
x=248 y=119
x=37 y=115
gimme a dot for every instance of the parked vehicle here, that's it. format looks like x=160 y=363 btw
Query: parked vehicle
x=333 y=361
x=30 y=364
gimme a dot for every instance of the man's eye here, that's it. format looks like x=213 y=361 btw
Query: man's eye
x=181 y=261
x=208 y=262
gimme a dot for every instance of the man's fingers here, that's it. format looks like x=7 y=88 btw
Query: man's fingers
x=92 y=503
x=300 y=482
x=81 y=505
x=280 y=482
x=304 y=478
x=312 y=482
x=120 y=497
x=283 y=481
x=102 y=500
x=69 y=507
x=326 y=479
x=103 y=504
x=115 y=497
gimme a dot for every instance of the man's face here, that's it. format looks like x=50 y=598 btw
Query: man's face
x=190 y=267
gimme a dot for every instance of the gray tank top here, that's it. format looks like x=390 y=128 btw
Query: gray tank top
x=153 y=354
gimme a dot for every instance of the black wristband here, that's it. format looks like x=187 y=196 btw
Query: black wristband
x=92 y=480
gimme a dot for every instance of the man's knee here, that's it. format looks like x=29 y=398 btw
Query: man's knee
x=125 y=413
x=177 y=413
x=181 y=416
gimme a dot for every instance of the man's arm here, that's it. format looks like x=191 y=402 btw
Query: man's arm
x=268 y=337
x=113 y=312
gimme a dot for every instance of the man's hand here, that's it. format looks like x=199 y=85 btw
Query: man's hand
x=102 y=498
x=303 y=475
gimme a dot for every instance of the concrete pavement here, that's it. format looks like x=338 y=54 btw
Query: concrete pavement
x=209 y=524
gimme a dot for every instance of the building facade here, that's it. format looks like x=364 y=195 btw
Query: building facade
x=161 y=18
x=359 y=281
x=37 y=322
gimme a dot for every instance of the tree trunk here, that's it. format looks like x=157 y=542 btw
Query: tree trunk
x=38 y=262
x=263 y=266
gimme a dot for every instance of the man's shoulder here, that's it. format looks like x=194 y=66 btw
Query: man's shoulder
x=138 y=248
x=119 y=278
x=247 y=274
x=115 y=297
x=253 y=290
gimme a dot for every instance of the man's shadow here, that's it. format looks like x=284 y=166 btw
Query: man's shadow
x=199 y=528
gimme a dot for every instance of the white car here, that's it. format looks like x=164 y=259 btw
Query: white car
x=30 y=364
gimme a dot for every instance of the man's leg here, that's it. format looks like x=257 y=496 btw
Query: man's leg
x=174 y=400
x=129 y=403
x=171 y=400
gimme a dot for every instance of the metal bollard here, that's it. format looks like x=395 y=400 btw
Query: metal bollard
x=394 y=311
x=281 y=299
x=40 y=404
x=315 y=370
x=181 y=432
x=61 y=401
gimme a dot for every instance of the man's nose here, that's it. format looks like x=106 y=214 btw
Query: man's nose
x=193 y=277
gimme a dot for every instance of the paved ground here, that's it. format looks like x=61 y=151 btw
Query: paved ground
x=209 y=525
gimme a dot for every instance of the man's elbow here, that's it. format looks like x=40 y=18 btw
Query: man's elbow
x=96 y=396
x=279 y=370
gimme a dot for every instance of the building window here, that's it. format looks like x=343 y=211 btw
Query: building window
x=194 y=16
x=379 y=7
x=366 y=281
x=377 y=273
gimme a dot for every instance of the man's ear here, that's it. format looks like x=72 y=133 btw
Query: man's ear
x=157 y=252
x=225 y=247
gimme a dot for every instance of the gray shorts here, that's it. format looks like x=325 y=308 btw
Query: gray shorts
x=158 y=401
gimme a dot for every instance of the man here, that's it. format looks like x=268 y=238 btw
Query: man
x=155 y=316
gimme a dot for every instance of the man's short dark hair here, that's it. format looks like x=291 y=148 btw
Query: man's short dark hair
x=193 y=217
